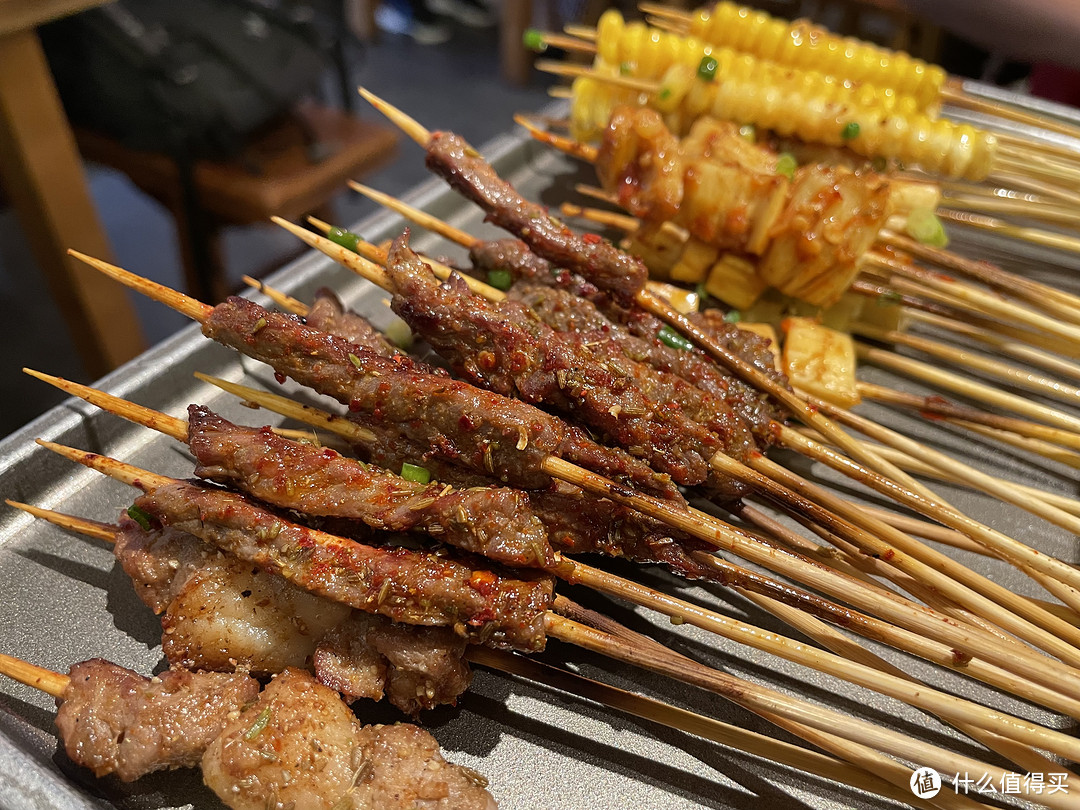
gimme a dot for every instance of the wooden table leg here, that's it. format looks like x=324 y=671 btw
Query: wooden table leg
x=44 y=177
x=515 y=57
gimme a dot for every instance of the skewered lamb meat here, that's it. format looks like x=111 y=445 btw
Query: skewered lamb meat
x=404 y=585
x=484 y=431
x=494 y=522
x=506 y=348
x=113 y=720
x=299 y=746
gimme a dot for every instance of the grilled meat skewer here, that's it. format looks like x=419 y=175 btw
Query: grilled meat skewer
x=294 y=744
x=219 y=613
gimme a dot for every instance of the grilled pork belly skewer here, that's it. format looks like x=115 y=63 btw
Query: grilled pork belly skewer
x=571 y=571
x=255 y=748
x=852 y=514
x=221 y=614
x=326 y=365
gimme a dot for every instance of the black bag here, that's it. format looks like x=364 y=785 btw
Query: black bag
x=193 y=78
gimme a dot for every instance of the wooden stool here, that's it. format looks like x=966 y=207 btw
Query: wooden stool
x=277 y=173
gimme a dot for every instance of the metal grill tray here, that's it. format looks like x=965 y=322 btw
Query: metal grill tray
x=64 y=599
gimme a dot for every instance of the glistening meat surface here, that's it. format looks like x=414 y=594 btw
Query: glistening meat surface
x=464 y=424
x=113 y=720
x=493 y=521
x=400 y=584
x=505 y=347
x=449 y=156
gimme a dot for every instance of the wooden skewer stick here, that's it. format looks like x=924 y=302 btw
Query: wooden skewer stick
x=860 y=756
x=1020 y=180
x=286 y=302
x=1035 y=236
x=750 y=695
x=1013 y=375
x=540 y=41
x=967 y=387
x=664 y=714
x=1004 y=344
x=1027 y=206
x=1011 y=550
x=708 y=529
x=831 y=639
x=921 y=467
x=51 y=683
x=1058 y=301
x=939 y=407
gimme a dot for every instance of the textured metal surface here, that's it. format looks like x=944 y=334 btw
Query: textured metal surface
x=64 y=600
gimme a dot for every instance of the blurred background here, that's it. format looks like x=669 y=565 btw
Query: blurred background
x=191 y=213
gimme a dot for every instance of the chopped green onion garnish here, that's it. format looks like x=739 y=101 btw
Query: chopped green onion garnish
x=356 y=361
x=140 y=517
x=786 y=165
x=748 y=131
x=665 y=94
x=707 y=69
x=534 y=40
x=733 y=316
x=625 y=69
x=850 y=130
x=889 y=299
x=260 y=723
x=416 y=473
x=924 y=226
x=340 y=236
x=702 y=293
x=669 y=337
x=500 y=279
x=399 y=333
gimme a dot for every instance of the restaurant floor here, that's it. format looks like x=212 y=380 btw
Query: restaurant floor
x=453 y=86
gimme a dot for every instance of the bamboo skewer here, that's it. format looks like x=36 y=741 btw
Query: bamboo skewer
x=1004 y=344
x=1042 y=295
x=745 y=693
x=1018 y=377
x=733 y=737
x=831 y=639
x=967 y=388
x=936 y=407
x=1035 y=236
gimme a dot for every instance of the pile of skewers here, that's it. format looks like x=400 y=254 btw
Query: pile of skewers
x=583 y=339
x=652 y=404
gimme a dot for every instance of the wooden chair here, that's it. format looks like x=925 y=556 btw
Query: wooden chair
x=292 y=169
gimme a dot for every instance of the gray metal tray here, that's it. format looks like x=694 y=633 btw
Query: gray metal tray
x=64 y=600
